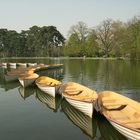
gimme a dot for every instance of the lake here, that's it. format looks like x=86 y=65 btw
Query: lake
x=29 y=114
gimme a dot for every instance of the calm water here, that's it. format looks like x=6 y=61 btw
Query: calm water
x=29 y=114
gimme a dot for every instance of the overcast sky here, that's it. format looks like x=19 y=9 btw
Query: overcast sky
x=21 y=14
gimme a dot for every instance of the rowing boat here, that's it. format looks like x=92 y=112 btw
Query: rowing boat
x=80 y=97
x=48 y=85
x=4 y=64
x=12 y=65
x=13 y=75
x=28 y=79
x=22 y=65
x=32 y=64
x=123 y=113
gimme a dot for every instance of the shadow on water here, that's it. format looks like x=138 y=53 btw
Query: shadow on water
x=49 y=101
x=26 y=92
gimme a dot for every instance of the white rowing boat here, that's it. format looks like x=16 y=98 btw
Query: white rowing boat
x=31 y=64
x=13 y=75
x=123 y=113
x=22 y=65
x=12 y=64
x=80 y=97
x=48 y=85
x=28 y=79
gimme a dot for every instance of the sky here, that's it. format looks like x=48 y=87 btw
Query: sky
x=22 y=14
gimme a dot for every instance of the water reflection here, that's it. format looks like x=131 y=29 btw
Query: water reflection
x=85 y=123
x=3 y=81
x=117 y=75
x=56 y=73
x=26 y=92
x=50 y=101
x=107 y=131
x=96 y=128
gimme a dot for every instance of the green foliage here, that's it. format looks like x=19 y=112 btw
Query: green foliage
x=37 y=41
x=109 y=39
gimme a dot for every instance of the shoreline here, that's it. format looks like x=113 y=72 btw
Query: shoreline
x=84 y=58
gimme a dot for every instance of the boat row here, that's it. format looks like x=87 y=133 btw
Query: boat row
x=27 y=76
x=18 y=64
x=123 y=113
x=95 y=128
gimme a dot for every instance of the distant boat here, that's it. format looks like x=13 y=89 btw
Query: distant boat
x=46 y=67
x=22 y=65
x=4 y=64
x=28 y=79
x=32 y=64
x=87 y=124
x=12 y=64
x=50 y=101
x=13 y=75
x=80 y=97
x=48 y=85
x=123 y=113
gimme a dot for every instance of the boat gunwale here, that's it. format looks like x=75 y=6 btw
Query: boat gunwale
x=43 y=85
x=80 y=100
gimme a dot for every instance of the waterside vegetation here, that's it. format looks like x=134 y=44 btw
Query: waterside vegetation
x=109 y=39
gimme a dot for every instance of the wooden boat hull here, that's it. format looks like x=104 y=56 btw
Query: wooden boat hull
x=26 y=82
x=22 y=65
x=122 y=112
x=52 y=91
x=85 y=107
x=32 y=64
x=4 y=64
x=130 y=134
x=12 y=65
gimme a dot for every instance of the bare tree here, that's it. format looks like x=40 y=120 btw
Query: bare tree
x=80 y=30
x=105 y=36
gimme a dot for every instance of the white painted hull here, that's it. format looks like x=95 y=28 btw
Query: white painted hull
x=27 y=82
x=4 y=64
x=130 y=134
x=12 y=64
x=85 y=107
x=49 y=90
x=32 y=64
x=22 y=65
x=81 y=120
